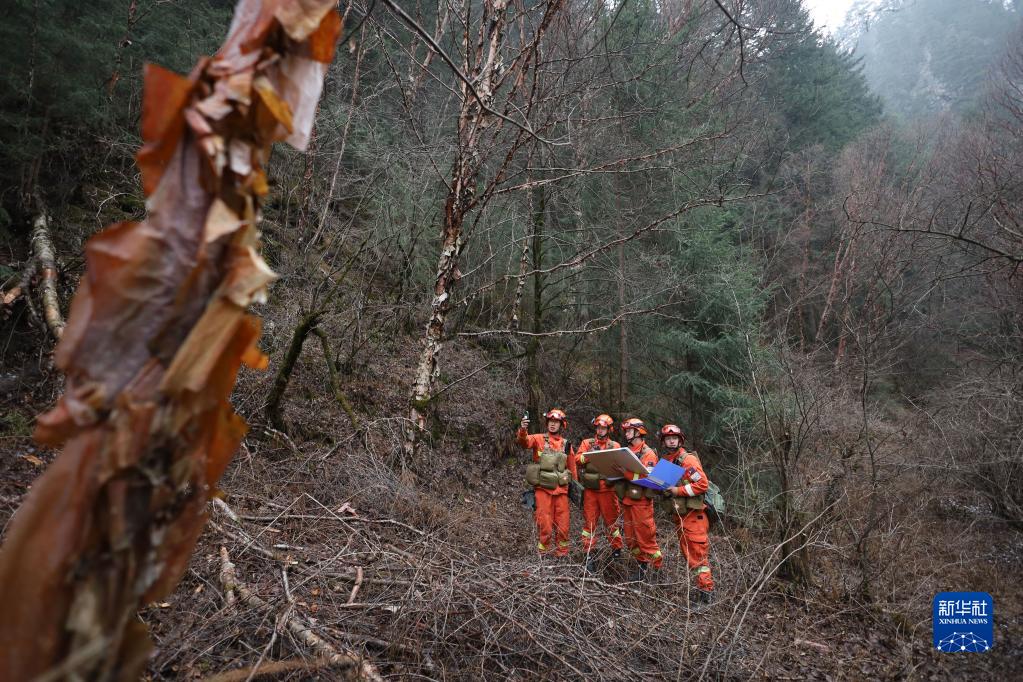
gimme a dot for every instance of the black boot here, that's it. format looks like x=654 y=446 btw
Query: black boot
x=591 y=564
x=616 y=555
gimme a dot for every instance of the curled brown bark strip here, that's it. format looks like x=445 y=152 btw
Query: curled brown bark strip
x=156 y=334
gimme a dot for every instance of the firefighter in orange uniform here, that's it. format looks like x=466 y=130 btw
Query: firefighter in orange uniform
x=688 y=509
x=637 y=503
x=599 y=499
x=549 y=474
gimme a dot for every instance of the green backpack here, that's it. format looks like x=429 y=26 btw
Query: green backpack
x=715 y=502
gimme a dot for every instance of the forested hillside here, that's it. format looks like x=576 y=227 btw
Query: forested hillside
x=699 y=212
x=923 y=57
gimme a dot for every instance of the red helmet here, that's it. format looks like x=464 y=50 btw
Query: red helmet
x=558 y=414
x=634 y=423
x=603 y=420
x=672 y=430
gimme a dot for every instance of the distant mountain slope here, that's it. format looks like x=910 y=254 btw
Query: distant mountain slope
x=929 y=56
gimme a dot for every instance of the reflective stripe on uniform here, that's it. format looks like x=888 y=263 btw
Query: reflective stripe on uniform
x=689 y=490
x=587 y=534
x=656 y=555
x=701 y=569
x=616 y=533
x=540 y=546
x=562 y=543
x=636 y=551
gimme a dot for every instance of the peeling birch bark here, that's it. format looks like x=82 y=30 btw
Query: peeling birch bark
x=157 y=332
x=472 y=121
x=42 y=248
x=520 y=283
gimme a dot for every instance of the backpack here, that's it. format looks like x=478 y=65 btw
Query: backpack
x=715 y=502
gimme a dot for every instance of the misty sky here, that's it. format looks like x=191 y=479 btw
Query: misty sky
x=828 y=13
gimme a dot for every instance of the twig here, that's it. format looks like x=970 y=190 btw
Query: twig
x=469 y=85
x=529 y=633
x=280 y=435
x=287 y=586
x=223 y=506
x=373 y=580
x=333 y=517
x=393 y=646
x=273 y=668
x=248 y=542
x=742 y=43
x=356 y=586
x=228 y=578
x=270 y=644
x=389 y=608
x=323 y=649
x=335 y=381
x=357 y=518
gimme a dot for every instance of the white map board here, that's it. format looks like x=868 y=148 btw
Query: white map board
x=606 y=462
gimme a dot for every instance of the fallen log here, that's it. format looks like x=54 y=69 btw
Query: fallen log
x=42 y=249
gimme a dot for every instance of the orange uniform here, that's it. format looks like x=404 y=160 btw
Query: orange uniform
x=692 y=524
x=638 y=515
x=598 y=502
x=552 y=521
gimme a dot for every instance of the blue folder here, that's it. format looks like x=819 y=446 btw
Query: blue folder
x=663 y=476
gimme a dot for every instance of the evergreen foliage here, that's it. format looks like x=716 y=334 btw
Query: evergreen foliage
x=72 y=71
x=820 y=90
x=700 y=356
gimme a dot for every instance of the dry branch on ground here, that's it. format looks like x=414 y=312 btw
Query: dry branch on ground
x=321 y=648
